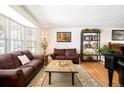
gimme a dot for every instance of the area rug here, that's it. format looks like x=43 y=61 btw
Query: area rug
x=81 y=79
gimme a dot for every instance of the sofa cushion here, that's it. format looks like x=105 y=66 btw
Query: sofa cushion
x=15 y=59
x=70 y=52
x=26 y=70
x=59 y=52
x=34 y=63
x=71 y=57
x=28 y=54
x=24 y=59
x=60 y=57
x=6 y=61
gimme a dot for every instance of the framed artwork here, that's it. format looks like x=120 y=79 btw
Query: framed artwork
x=118 y=35
x=63 y=36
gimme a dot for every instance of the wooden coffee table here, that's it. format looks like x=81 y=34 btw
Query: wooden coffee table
x=61 y=66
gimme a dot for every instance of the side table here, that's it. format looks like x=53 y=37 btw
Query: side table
x=46 y=59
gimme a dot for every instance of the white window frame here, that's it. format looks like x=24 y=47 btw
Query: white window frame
x=9 y=28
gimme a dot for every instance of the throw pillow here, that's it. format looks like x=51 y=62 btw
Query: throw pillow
x=24 y=59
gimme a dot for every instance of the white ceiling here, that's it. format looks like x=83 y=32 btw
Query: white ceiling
x=78 y=15
x=9 y=12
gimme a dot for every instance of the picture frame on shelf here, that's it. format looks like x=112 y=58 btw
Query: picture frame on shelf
x=118 y=35
x=63 y=36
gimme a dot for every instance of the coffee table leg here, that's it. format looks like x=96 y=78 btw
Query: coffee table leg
x=72 y=78
x=49 y=77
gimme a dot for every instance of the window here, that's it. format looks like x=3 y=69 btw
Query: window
x=3 y=35
x=15 y=36
x=31 y=39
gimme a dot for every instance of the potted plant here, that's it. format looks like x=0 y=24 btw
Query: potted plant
x=105 y=49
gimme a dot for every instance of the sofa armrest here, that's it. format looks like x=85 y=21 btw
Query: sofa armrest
x=78 y=55
x=41 y=57
x=11 y=77
x=10 y=73
x=53 y=56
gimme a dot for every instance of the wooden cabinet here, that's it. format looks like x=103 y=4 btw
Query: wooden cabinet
x=117 y=47
x=90 y=44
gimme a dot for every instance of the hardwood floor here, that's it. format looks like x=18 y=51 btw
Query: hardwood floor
x=99 y=73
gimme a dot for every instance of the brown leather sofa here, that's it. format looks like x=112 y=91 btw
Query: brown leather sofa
x=13 y=73
x=66 y=54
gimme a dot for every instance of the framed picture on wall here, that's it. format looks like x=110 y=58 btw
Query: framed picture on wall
x=118 y=35
x=63 y=36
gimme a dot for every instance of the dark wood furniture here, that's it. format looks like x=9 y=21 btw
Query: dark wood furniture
x=111 y=62
x=121 y=68
x=90 y=44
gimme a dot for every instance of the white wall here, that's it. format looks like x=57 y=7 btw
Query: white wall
x=106 y=35
x=75 y=38
x=52 y=39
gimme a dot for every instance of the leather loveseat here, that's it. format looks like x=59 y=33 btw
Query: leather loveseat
x=13 y=73
x=66 y=54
